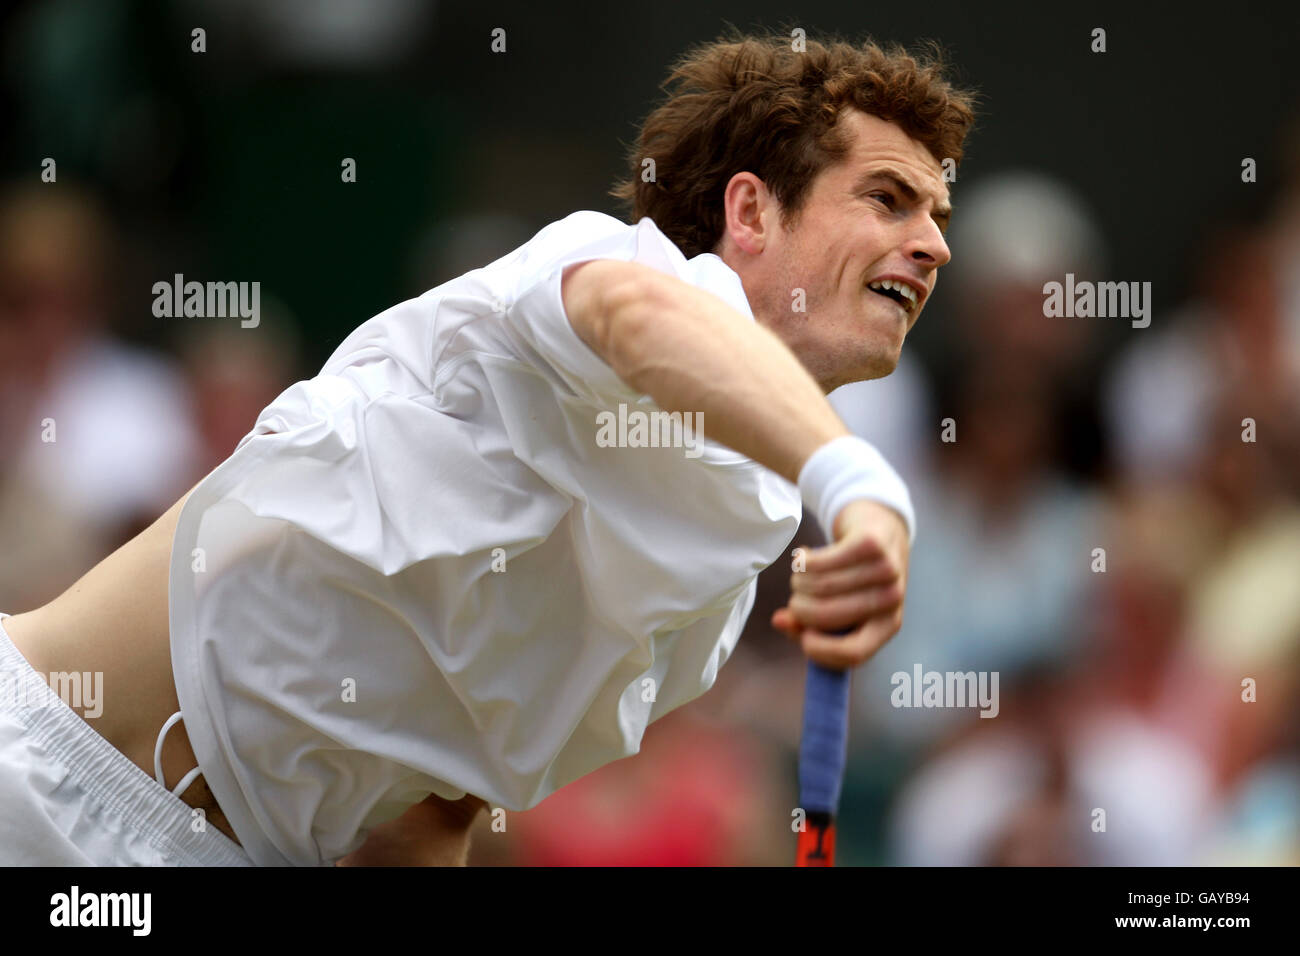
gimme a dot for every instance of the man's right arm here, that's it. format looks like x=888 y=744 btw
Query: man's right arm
x=691 y=352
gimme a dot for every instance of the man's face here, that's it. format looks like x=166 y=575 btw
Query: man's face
x=876 y=216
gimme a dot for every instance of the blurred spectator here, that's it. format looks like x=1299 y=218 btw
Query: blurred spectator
x=96 y=433
x=1232 y=337
x=233 y=374
x=959 y=807
x=1260 y=821
x=1014 y=232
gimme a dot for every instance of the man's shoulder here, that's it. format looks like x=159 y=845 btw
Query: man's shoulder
x=590 y=234
x=587 y=228
x=578 y=227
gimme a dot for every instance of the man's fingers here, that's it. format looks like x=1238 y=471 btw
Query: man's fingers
x=787 y=624
x=843 y=580
x=847 y=610
x=858 y=549
x=851 y=650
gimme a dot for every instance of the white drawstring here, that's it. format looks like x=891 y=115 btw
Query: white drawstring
x=190 y=777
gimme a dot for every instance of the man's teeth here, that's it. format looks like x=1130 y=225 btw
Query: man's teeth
x=902 y=288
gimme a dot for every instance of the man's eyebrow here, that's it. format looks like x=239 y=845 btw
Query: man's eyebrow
x=942 y=211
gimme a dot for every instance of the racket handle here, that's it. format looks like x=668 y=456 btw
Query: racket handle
x=823 y=747
x=823 y=753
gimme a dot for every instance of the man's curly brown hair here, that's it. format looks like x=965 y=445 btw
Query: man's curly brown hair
x=752 y=104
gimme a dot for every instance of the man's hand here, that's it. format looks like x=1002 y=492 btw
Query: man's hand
x=858 y=582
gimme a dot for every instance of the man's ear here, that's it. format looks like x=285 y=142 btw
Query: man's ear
x=749 y=213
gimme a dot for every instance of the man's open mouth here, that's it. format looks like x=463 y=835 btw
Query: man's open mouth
x=900 y=292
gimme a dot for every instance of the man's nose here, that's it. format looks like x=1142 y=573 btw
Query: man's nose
x=929 y=246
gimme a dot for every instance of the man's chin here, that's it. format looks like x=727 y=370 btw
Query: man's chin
x=881 y=363
x=878 y=366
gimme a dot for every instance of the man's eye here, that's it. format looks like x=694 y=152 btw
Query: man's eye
x=886 y=198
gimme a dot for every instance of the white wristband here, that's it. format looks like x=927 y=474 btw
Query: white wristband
x=848 y=468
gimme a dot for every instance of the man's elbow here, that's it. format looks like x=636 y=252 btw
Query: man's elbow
x=607 y=301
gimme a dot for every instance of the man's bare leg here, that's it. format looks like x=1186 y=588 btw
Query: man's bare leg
x=434 y=832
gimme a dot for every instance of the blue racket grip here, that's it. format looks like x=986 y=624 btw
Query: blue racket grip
x=823 y=746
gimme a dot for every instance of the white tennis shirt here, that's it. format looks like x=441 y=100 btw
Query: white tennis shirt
x=421 y=572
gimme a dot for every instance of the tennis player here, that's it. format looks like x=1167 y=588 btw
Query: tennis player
x=427 y=580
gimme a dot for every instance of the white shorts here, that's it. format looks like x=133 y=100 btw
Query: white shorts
x=69 y=798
